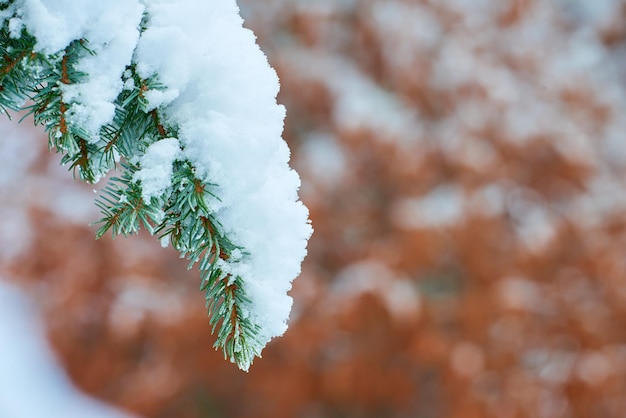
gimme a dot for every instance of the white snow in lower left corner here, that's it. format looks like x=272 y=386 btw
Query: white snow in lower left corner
x=32 y=384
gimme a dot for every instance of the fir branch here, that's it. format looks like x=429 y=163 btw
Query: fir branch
x=51 y=110
x=186 y=221
x=179 y=211
x=192 y=230
x=16 y=75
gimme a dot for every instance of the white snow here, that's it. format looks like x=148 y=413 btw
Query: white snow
x=442 y=207
x=594 y=368
x=155 y=174
x=111 y=28
x=138 y=298
x=230 y=128
x=32 y=384
x=220 y=92
x=324 y=159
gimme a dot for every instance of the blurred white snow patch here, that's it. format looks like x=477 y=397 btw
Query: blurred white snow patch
x=69 y=201
x=469 y=150
x=140 y=298
x=579 y=56
x=32 y=384
x=361 y=104
x=323 y=7
x=406 y=31
x=605 y=198
x=400 y=295
x=18 y=151
x=15 y=232
x=519 y=293
x=534 y=225
x=416 y=23
x=554 y=366
x=598 y=12
x=364 y=104
x=456 y=65
x=442 y=207
x=528 y=117
x=475 y=12
x=535 y=229
x=323 y=159
x=614 y=147
x=52 y=190
x=490 y=200
x=594 y=368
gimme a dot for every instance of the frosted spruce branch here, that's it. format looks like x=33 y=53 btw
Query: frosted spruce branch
x=160 y=186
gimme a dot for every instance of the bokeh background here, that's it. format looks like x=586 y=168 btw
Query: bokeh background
x=464 y=162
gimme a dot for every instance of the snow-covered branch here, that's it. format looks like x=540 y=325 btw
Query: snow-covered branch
x=178 y=96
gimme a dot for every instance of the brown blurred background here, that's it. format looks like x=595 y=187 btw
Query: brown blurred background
x=464 y=162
